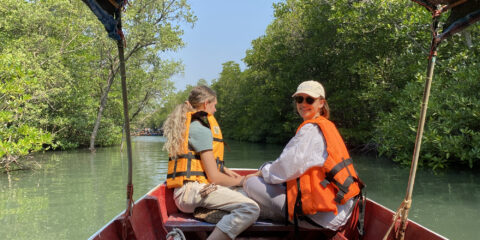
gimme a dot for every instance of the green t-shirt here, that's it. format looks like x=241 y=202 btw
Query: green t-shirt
x=200 y=137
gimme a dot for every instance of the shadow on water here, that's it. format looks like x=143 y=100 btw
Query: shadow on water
x=76 y=192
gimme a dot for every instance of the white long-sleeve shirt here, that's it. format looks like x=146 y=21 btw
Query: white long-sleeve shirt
x=305 y=150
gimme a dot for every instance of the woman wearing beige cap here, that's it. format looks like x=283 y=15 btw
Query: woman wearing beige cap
x=321 y=183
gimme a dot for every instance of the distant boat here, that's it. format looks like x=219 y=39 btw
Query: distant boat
x=155 y=214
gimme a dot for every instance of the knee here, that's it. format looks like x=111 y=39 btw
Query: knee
x=251 y=184
x=253 y=181
x=253 y=210
x=249 y=210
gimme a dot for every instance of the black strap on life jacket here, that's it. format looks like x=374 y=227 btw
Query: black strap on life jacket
x=196 y=156
x=361 y=213
x=297 y=208
x=188 y=173
x=362 y=201
x=330 y=178
x=286 y=206
x=192 y=173
x=220 y=165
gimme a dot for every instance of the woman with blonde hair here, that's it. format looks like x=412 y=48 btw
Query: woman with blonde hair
x=196 y=169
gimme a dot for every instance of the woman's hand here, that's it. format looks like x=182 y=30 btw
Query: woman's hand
x=231 y=173
x=235 y=175
x=255 y=174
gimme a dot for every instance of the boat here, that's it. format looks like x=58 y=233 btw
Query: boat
x=155 y=215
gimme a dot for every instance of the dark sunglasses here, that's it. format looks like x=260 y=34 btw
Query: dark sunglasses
x=309 y=100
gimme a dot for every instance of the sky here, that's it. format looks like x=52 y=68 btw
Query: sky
x=223 y=32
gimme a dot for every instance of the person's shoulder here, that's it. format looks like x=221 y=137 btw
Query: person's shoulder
x=197 y=127
x=200 y=137
x=310 y=131
x=309 y=127
x=197 y=124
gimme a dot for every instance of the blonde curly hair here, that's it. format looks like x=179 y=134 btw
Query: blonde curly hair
x=174 y=125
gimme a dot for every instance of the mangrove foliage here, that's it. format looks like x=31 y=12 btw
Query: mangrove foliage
x=59 y=77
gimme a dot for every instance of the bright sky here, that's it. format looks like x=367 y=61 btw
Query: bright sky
x=223 y=32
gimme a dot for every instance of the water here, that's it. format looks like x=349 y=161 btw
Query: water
x=75 y=193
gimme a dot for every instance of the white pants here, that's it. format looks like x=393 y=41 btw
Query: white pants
x=243 y=210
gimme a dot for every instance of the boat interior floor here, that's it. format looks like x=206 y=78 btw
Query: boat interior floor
x=262 y=229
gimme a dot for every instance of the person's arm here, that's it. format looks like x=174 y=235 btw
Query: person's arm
x=200 y=138
x=305 y=150
x=214 y=175
x=230 y=172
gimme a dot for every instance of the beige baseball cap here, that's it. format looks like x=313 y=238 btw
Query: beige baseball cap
x=312 y=88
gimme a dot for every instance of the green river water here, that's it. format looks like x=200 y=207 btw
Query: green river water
x=75 y=193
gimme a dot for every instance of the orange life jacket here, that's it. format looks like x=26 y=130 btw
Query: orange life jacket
x=188 y=166
x=322 y=188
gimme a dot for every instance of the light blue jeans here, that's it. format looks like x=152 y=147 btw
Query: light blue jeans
x=243 y=210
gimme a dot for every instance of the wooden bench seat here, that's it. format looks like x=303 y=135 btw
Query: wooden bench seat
x=196 y=229
x=188 y=223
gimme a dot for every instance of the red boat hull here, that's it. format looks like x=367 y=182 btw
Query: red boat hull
x=155 y=214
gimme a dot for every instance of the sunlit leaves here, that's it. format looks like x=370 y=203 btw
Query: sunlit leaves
x=371 y=56
x=55 y=58
x=452 y=130
x=19 y=135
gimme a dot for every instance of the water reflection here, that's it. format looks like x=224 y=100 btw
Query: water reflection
x=76 y=192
